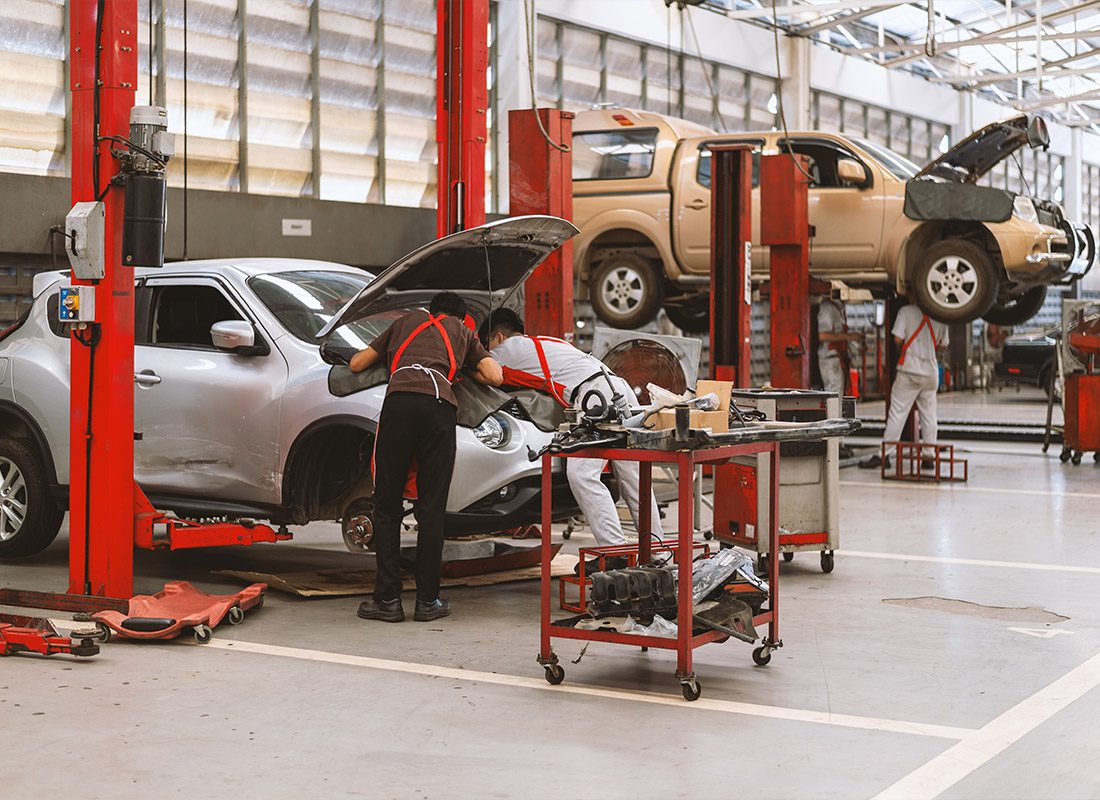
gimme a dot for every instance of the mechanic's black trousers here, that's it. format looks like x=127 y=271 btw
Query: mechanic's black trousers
x=412 y=426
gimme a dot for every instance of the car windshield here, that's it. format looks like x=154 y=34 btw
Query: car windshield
x=902 y=168
x=610 y=155
x=304 y=301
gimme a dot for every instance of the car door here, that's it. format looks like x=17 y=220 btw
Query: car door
x=208 y=420
x=846 y=219
x=691 y=207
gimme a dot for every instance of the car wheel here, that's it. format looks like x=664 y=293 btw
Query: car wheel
x=357 y=525
x=690 y=318
x=29 y=517
x=626 y=291
x=954 y=281
x=1018 y=310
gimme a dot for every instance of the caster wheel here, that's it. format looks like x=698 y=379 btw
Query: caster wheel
x=1076 y=459
x=761 y=656
x=236 y=616
x=645 y=649
x=567 y=534
x=762 y=566
x=105 y=632
x=554 y=674
x=692 y=690
x=826 y=561
x=708 y=535
x=1096 y=457
x=203 y=634
x=1064 y=456
x=788 y=557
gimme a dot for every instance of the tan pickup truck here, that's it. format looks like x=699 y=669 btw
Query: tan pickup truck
x=641 y=197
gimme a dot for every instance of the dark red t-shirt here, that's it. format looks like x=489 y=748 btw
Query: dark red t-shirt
x=429 y=351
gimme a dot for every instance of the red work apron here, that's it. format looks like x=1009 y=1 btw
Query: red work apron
x=516 y=377
x=924 y=322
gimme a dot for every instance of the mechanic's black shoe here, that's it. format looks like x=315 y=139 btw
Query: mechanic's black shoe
x=615 y=562
x=928 y=464
x=384 y=610
x=872 y=462
x=436 y=609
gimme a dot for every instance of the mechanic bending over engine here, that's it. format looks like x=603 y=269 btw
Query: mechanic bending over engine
x=423 y=352
x=560 y=370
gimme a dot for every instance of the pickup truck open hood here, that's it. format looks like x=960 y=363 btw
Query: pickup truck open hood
x=496 y=257
x=982 y=150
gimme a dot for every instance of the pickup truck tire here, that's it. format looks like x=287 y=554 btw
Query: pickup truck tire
x=954 y=281
x=1018 y=310
x=29 y=516
x=626 y=290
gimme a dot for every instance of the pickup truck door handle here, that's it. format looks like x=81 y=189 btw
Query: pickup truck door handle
x=698 y=202
x=146 y=377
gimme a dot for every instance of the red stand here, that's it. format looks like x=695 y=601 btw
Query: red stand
x=686 y=639
x=731 y=264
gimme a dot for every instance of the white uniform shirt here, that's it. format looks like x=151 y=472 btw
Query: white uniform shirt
x=830 y=319
x=920 y=357
x=568 y=365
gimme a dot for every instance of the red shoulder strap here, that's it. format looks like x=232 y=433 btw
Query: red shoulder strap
x=924 y=322
x=552 y=387
x=429 y=322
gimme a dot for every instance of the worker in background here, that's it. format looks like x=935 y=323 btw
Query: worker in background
x=559 y=369
x=424 y=351
x=833 y=359
x=918 y=338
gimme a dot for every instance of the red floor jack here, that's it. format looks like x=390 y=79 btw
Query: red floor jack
x=29 y=635
x=1081 y=432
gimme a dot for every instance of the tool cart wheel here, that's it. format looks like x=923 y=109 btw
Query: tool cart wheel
x=788 y=556
x=104 y=632
x=1096 y=456
x=236 y=616
x=826 y=561
x=1076 y=457
x=762 y=566
x=761 y=655
x=554 y=674
x=692 y=689
x=1064 y=455
x=203 y=634
x=708 y=535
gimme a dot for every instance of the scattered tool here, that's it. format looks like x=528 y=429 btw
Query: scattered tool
x=29 y=635
x=165 y=614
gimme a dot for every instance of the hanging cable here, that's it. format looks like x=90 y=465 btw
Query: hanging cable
x=706 y=67
x=95 y=99
x=529 y=21
x=184 y=130
x=150 y=52
x=779 y=98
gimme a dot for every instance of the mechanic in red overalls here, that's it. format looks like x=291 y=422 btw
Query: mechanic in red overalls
x=424 y=351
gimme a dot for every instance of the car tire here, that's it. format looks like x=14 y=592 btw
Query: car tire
x=954 y=281
x=24 y=490
x=626 y=291
x=1018 y=310
x=691 y=318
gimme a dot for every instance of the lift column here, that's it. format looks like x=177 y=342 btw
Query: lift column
x=785 y=230
x=462 y=58
x=540 y=181
x=731 y=263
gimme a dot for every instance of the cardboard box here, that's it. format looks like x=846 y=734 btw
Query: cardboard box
x=717 y=421
x=721 y=388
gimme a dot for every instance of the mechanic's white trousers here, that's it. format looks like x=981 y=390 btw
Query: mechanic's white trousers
x=907 y=390
x=595 y=500
x=832 y=374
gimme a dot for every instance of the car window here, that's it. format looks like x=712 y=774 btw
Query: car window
x=303 y=301
x=612 y=155
x=53 y=302
x=823 y=158
x=702 y=170
x=181 y=315
x=901 y=167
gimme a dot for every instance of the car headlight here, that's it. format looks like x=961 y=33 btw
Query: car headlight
x=493 y=432
x=1023 y=208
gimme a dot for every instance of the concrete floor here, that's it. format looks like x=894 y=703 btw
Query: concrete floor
x=867 y=698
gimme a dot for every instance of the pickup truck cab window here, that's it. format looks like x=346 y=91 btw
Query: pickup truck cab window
x=823 y=156
x=614 y=155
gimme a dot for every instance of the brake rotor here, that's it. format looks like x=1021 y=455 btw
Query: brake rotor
x=357 y=526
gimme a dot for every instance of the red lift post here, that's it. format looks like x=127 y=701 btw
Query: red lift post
x=785 y=230
x=540 y=181
x=731 y=263
x=462 y=60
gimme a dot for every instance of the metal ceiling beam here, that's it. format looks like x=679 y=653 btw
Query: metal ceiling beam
x=842 y=19
x=813 y=9
x=1047 y=37
x=1004 y=76
x=1092 y=94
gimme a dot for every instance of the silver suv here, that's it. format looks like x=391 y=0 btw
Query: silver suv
x=237 y=414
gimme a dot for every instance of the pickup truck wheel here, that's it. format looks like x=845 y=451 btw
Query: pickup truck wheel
x=955 y=281
x=1018 y=310
x=626 y=291
x=29 y=516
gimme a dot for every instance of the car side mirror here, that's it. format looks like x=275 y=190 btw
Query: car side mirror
x=849 y=170
x=234 y=336
x=1037 y=133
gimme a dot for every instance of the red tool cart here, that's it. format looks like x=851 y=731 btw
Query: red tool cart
x=687 y=639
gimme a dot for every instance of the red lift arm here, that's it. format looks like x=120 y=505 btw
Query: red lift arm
x=462 y=59
x=731 y=263
x=540 y=181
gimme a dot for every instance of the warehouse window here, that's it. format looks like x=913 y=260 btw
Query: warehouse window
x=610 y=155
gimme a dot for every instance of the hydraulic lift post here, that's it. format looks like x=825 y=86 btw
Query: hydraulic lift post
x=540 y=181
x=462 y=60
x=731 y=263
x=785 y=230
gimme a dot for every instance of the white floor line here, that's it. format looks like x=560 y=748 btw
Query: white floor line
x=993 y=738
x=952 y=487
x=973 y=562
x=702 y=704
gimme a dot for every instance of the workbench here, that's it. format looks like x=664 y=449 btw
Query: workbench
x=686 y=639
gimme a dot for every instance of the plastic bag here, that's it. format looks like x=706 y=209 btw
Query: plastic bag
x=659 y=627
x=663 y=398
x=709 y=573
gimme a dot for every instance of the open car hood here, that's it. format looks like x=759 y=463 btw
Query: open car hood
x=984 y=149
x=496 y=257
